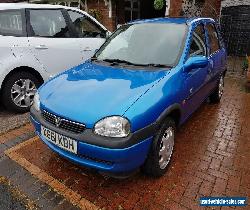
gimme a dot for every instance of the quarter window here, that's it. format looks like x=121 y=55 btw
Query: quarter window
x=213 y=38
x=84 y=27
x=198 y=44
x=48 y=23
x=11 y=23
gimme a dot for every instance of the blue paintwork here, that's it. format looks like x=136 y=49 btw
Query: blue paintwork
x=91 y=91
x=117 y=90
x=164 y=20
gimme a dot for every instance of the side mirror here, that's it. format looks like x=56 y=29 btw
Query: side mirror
x=108 y=33
x=195 y=63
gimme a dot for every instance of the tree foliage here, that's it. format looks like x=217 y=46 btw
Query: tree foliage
x=158 y=4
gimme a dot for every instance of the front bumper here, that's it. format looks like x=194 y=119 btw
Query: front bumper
x=113 y=160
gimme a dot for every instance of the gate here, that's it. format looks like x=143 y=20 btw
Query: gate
x=235 y=27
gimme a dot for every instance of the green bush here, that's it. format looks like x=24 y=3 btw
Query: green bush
x=158 y=4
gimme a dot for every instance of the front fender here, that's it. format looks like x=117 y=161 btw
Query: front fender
x=156 y=103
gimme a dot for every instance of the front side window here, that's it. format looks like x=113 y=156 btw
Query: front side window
x=48 y=23
x=11 y=23
x=146 y=43
x=198 y=43
x=213 y=38
x=84 y=27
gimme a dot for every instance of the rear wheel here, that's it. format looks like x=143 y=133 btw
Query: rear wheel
x=216 y=96
x=161 y=150
x=19 y=90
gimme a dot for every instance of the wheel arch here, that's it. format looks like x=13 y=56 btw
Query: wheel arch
x=173 y=111
x=25 y=69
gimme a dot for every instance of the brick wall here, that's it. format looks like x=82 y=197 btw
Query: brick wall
x=175 y=8
x=209 y=8
x=212 y=8
x=110 y=23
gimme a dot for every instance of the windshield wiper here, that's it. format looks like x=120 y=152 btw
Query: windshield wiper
x=157 y=65
x=116 y=61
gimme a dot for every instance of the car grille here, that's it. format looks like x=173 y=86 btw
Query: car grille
x=62 y=123
x=96 y=160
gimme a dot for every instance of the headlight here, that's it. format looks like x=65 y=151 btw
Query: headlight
x=114 y=126
x=36 y=102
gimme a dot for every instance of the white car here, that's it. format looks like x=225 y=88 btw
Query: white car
x=38 y=41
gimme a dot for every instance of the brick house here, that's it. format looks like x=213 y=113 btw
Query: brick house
x=114 y=12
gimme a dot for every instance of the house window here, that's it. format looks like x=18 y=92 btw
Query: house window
x=132 y=10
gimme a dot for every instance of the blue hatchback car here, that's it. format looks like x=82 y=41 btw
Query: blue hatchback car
x=120 y=110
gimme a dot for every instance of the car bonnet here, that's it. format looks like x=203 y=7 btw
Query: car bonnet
x=90 y=92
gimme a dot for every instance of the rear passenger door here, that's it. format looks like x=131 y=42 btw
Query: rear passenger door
x=51 y=40
x=215 y=55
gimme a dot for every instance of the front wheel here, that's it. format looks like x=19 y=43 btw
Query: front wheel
x=216 y=96
x=161 y=150
x=19 y=90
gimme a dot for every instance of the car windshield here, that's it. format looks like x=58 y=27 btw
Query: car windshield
x=149 y=44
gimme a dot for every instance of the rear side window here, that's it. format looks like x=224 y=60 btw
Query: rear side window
x=198 y=44
x=48 y=23
x=11 y=23
x=85 y=27
x=213 y=38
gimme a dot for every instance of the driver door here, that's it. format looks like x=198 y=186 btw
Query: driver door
x=196 y=80
x=89 y=35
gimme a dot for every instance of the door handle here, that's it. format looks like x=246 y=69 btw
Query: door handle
x=87 y=49
x=41 y=47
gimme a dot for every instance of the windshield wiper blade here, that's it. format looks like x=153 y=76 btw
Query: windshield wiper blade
x=114 y=61
x=93 y=58
x=157 y=65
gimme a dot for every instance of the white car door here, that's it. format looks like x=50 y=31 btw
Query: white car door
x=13 y=38
x=89 y=33
x=51 y=40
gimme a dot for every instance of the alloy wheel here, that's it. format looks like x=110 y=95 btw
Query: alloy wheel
x=221 y=86
x=166 y=148
x=23 y=92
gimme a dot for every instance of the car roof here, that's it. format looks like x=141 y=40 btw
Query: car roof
x=177 y=20
x=4 y=6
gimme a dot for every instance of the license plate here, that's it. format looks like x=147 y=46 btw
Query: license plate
x=59 y=140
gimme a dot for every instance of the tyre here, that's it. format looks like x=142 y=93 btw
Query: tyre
x=161 y=150
x=19 y=90
x=216 y=96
